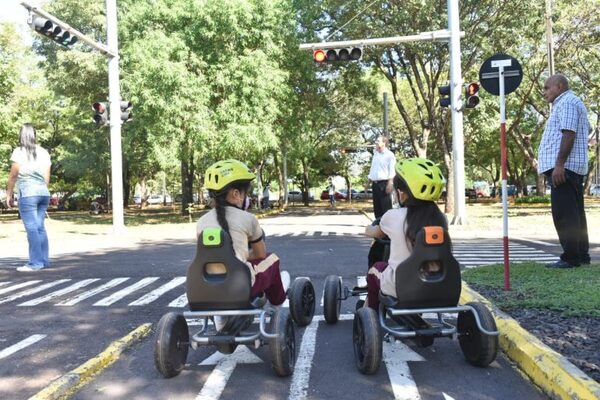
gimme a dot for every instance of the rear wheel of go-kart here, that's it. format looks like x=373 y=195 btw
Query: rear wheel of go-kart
x=171 y=345
x=283 y=347
x=479 y=349
x=332 y=293
x=302 y=301
x=366 y=336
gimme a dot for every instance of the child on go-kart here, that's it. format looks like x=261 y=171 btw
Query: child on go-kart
x=228 y=183
x=419 y=183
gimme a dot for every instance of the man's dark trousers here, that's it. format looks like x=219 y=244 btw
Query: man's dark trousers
x=568 y=214
x=382 y=201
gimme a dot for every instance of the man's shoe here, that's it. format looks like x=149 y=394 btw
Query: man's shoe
x=28 y=268
x=561 y=264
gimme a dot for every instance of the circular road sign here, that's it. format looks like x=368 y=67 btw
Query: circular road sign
x=489 y=72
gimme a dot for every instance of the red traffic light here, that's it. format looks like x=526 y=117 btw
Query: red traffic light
x=472 y=95
x=319 y=56
x=472 y=88
x=99 y=107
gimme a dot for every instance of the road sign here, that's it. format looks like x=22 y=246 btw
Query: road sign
x=490 y=70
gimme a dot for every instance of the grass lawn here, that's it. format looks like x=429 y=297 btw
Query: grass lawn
x=572 y=292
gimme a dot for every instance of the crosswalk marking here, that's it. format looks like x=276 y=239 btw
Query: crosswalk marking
x=59 y=293
x=21 y=345
x=32 y=291
x=324 y=233
x=179 y=302
x=18 y=286
x=82 y=296
x=4 y=283
x=107 y=301
x=155 y=294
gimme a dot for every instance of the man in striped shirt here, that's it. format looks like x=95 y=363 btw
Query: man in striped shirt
x=563 y=159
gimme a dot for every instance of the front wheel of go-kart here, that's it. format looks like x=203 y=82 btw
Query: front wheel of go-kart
x=171 y=344
x=479 y=348
x=283 y=347
x=332 y=298
x=366 y=337
x=302 y=301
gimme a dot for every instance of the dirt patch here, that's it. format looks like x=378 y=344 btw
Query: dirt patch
x=574 y=337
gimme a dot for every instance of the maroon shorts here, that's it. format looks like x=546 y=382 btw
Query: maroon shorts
x=267 y=279
x=374 y=284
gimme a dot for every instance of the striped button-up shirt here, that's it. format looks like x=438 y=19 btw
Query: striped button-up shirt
x=568 y=113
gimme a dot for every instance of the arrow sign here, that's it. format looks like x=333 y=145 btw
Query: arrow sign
x=224 y=366
x=396 y=357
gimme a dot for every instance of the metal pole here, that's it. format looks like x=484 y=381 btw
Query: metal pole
x=458 y=145
x=385 y=115
x=549 y=39
x=503 y=162
x=114 y=97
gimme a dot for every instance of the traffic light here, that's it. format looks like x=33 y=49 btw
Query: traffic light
x=55 y=32
x=445 y=100
x=126 y=114
x=100 y=113
x=333 y=55
x=472 y=95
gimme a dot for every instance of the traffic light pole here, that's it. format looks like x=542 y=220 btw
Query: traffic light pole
x=112 y=52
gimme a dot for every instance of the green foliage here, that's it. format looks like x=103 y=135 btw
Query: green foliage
x=532 y=199
x=574 y=292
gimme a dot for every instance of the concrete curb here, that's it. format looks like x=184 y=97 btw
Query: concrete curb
x=69 y=383
x=551 y=371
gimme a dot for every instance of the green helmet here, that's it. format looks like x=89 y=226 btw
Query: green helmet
x=225 y=172
x=423 y=178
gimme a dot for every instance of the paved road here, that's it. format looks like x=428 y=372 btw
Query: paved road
x=54 y=320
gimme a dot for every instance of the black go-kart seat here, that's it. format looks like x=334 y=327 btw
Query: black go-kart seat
x=216 y=278
x=416 y=287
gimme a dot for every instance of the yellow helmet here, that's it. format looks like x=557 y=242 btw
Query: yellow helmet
x=423 y=178
x=223 y=173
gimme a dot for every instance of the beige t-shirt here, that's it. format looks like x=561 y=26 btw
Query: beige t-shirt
x=393 y=224
x=243 y=228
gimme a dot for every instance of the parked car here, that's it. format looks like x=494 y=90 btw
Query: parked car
x=364 y=195
x=470 y=193
x=338 y=195
x=159 y=199
x=595 y=190
x=354 y=193
x=296 y=196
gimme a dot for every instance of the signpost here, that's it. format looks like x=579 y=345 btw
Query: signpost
x=501 y=75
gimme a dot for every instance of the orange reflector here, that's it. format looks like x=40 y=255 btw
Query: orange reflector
x=434 y=235
x=319 y=56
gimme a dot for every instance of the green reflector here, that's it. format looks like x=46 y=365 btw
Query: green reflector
x=211 y=237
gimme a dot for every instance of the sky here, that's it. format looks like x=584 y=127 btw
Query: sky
x=13 y=11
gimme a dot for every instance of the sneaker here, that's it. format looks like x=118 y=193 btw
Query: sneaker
x=285 y=280
x=28 y=268
x=561 y=264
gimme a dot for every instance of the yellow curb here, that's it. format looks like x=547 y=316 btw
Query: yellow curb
x=551 y=371
x=69 y=383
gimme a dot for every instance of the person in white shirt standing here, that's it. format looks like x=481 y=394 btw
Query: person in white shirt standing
x=381 y=176
x=30 y=170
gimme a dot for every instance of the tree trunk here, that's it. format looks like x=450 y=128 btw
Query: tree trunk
x=187 y=179
x=305 y=182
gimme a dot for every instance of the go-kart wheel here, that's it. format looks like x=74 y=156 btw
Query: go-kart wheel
x=479 y=349
x=359 y=304
x=302 y=301
x=171 y=345
x=283 y=347
x=332 y=292
x=366 y=337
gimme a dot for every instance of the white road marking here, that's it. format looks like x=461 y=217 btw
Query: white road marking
x=225 y=365
x=18 y=286
x=311 y=233
x=361 y=281
x=301 y=377
x=156 y=293
x=4 y=283
x=537 y=242
x=58 y=293
x=298 y=233
x=92 y=292
x=32 y=291
x=179 y=302
x=21 y=345
x=396 y=356
x=324 y=233
x=447 y=397
x=107 y=301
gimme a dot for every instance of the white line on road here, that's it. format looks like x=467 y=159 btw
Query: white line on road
x=58 y=293
x=18 y=286
x=301 y=377
x=92 y=292
x=107 y=301
x=4 y=283
x=396 y=356
x=179 y=302
x=32 y=291
x=536 y=241
x=324 y=233
x=156 y=293
x=21 y=345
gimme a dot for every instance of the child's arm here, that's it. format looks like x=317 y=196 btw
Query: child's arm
x=374 y=231
x=257 y=250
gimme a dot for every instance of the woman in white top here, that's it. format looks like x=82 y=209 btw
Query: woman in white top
x=30 y=170
x=419 y=183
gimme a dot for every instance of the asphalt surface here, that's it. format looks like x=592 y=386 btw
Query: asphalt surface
x=60 y=337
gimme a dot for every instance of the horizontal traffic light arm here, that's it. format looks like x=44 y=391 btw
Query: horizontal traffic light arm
x=441 y=35
x=67 y=28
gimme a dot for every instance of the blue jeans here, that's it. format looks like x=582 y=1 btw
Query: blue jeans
x=33 y=212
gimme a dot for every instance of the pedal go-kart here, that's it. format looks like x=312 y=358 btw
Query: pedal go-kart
x=218 y=285
x=421 y=290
